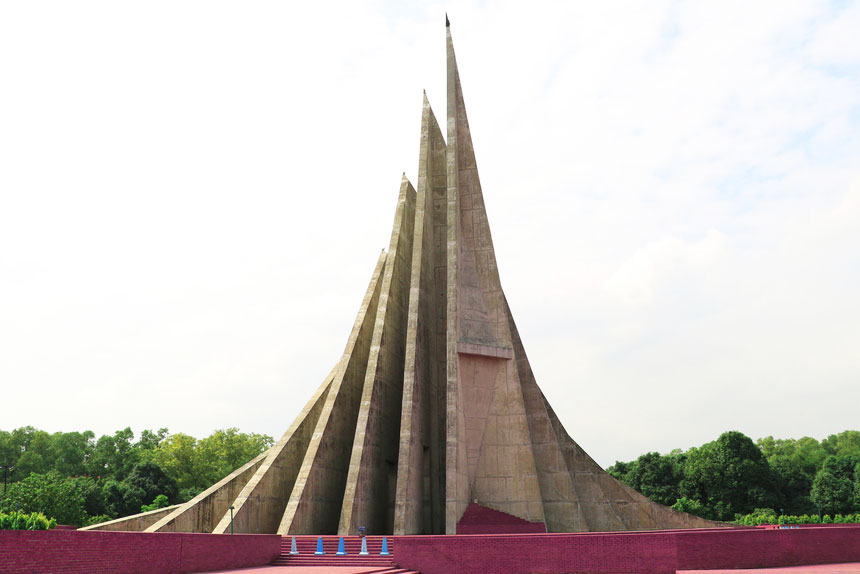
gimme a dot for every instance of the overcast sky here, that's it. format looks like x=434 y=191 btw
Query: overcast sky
x=193 y=196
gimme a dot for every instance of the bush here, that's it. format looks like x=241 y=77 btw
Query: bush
x=159 y=502
x=17 y=520
x=762 y=516
x=758 y=516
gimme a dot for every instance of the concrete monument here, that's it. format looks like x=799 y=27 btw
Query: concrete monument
x=433 y=405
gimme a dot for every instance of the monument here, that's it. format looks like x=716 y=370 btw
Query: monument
x=433 y=405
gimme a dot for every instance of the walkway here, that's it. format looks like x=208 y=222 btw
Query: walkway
x=316 y=570
x=848 y=568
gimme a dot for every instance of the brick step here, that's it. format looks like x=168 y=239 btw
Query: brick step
x=342 y=561
x=387 y=564
x=332 y=551
x=301 y=547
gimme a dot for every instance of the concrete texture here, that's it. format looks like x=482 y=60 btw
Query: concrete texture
x=135 y=522
x=202 y=513
x=369 y=495
x=260 y=505
x=419 y=502
x=316 y=500
x=433 y=406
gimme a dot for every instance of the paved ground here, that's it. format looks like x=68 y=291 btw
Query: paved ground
x=309 y=570
x=852 y=568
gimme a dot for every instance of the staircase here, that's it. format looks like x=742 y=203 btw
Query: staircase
x=307 y=545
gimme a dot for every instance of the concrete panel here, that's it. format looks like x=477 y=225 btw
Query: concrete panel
x=370 y=486
x=417 y=500
x=456 y=475
x=260 y=505
x=435 y=342
x=561 y=506
x=135 y=522
x=315 y=503
x=607 y=504
x=202 y=513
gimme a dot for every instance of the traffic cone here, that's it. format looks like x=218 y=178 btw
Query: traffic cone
x=293 y=549
x=364 y=551
x=384 y=547
x=320 y=550
x=341 y=549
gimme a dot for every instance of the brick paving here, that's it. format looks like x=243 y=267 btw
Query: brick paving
x=316 y=570
x=846 y=568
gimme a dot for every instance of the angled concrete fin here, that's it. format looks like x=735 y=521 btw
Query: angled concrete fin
x=201 y=513
x=260 y=505
x=433 y=405
x=317 y=496
x=135 y=522
x=369 y=495
x=419 y=503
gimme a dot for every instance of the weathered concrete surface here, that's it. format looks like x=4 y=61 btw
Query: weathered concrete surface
x=456 y=478
x=135 y=522
x=258 y=509
x=371 y=482
x=202 y=513
x=419 y=503
x=433 y=404
x=316 y=499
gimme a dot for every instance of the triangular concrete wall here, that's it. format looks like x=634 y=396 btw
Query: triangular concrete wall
x=433 y=405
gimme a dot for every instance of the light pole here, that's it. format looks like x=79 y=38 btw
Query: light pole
x=231 y=519
x=6 y=469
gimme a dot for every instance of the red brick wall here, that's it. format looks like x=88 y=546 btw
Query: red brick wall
x=659 y=552
x=94 y=552
x=626 y=553
x=759 y=548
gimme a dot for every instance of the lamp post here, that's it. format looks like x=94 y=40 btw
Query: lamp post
x=231 y=519
x=6 y=469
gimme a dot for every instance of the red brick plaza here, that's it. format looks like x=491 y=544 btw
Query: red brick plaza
x=815 y=549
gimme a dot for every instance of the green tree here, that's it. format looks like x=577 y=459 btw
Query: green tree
x=34 y=448
x=833 y=488
x=70 y=451
x=148 y=443
x=656 y=476
x=225 y=450
x=196 y=465
x=113 y=456
x=805 y=454
x=120 y=499
x=793 y=486
x=159 y=502
x=729 y=476
x=52 y=494
x=151 y=481
x=846 y=443
x=177 y=456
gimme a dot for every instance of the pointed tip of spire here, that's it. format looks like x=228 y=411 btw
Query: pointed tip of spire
x=447 y=21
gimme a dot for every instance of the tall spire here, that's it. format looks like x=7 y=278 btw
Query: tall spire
x=433 y=407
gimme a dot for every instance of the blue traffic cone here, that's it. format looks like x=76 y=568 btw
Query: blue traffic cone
x=384 y=547
x=320 y=550
x=341 y=549
x=293 y=549
x=364 y=551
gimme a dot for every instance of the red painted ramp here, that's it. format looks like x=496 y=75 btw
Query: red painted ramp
x=482 y=520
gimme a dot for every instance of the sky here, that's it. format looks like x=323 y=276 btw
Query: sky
x=193 y=196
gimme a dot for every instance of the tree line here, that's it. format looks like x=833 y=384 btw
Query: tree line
x=77 y=479
x=733 y=476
